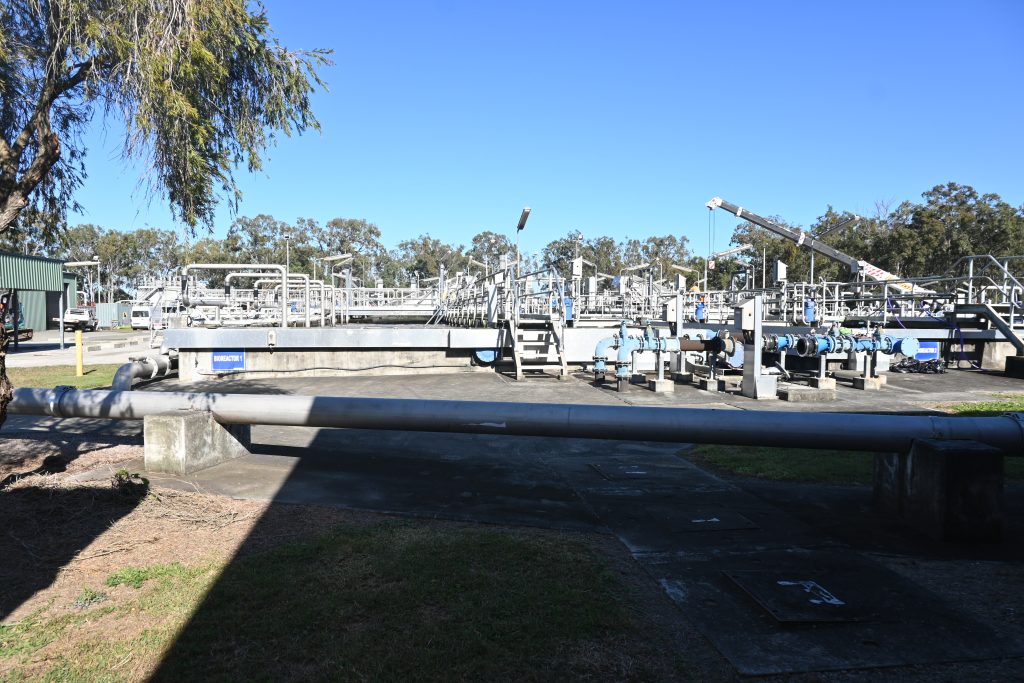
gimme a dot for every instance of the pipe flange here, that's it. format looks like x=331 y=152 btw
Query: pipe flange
x=1019 y=419
x=56 y=397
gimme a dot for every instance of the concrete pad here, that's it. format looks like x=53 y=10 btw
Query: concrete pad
x=682 y=377
x=823 y=382
x=947 y=490
x=760 y=387
x=870 y=616
x=800 y=394
x=868 y=383
x=661 y=386
x=1015 y=367
x=707 y=384
x=182 y=442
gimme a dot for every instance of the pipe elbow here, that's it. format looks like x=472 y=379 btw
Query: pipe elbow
x=601 y=352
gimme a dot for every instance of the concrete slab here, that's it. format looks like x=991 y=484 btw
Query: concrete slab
x=803 y=394
x=822 y=382
x=1015 y=367
x=948 y=490
x=868 y=383
x=884 y=619
x=713 y=385
x=186 y=441
x=661 y=386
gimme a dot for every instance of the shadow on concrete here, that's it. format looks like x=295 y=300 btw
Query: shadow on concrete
x=218 y=386
x=845 y=513
x=44 y=530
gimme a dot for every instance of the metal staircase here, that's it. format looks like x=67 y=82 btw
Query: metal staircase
x=538 y=346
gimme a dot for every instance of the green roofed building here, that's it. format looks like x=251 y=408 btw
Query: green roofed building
x=38 y=282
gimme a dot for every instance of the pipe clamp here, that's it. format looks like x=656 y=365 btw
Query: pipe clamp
x=56 y=397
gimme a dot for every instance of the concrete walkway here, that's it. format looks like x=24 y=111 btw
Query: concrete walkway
x=100 y=347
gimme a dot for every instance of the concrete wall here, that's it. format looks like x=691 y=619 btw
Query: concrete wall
x=194 y=365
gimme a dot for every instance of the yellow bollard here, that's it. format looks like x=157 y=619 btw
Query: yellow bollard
x=79 y=361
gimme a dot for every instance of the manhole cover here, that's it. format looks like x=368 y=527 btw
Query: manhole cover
x=713 y=520
x=794 y=599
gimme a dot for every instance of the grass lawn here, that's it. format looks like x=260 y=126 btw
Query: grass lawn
x=50 y=376
x=1002 y=403
x=395 y=601
x=787 y=464
x=834 y=467
x=798 y=464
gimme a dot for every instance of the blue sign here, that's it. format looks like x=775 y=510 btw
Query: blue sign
x=228 y=359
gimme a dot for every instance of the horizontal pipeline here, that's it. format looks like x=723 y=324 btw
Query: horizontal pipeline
x=845 y=431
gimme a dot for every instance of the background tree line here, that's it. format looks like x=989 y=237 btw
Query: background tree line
x=910 y=239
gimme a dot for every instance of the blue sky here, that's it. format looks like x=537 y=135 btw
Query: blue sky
x=625 y=118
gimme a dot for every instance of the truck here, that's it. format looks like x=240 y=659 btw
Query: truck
x=8 y=320
x=80 y=319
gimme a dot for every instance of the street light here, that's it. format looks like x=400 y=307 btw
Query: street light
x=287 y=253
x=519 y=229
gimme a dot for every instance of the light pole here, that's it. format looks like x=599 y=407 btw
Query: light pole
x=519 y=229
x=287 y=253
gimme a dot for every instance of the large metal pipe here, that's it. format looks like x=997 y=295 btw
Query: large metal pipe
x=146 y=367
x=293 y=278
x=244 y=266
x=844 y=431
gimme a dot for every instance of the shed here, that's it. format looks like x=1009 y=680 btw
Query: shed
x=38 y=282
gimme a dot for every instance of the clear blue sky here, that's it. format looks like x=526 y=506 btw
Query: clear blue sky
x=624 y=118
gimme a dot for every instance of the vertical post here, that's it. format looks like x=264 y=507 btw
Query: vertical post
x=284 y=297
x=885 y=304
x=348 y=291
x=812 y=268
x=970 y=281
x=679 y=313
x=79 y=359
x=307 y=302
x=63 y=296
x=15 y=318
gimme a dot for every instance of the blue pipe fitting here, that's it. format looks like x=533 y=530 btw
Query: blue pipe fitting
x=908 y=346
x=810 y=311
x=601 y=352
x=622 y=362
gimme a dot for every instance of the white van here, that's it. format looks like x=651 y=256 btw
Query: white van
x=140 y=317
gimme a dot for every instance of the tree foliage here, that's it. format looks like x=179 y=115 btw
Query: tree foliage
x=912 y=240
x=201 y=87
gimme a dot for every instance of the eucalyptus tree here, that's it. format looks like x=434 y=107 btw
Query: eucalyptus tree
x=200 y=86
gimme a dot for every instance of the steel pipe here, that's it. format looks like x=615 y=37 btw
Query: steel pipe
x=844 y=431
x=239 y=267
x=148 y=367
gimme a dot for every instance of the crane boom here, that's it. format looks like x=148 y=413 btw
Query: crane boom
x=798 y=236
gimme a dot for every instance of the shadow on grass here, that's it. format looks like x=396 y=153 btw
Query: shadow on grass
x=401 y=601
x=420 y=600
x=44 y=529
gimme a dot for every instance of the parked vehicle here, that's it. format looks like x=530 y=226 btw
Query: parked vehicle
x=140 y=317
x=81 y=319
x=7 y=318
